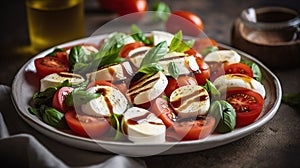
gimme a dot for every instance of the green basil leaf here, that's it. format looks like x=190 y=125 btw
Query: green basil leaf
x=35 y=111
x=53 y=53
x=75 y=56
x=150 y=68
x=292 y=99
x=44 y=98
x=115 y=123
x=155 y=54
x=208 y=50
x=255 y=69
x=225 y=114
x=162 y=11
x=53 y=117
x=79 y=97
x=173 y=70
x=178 y=45
x=138 y=35
x=212 y=90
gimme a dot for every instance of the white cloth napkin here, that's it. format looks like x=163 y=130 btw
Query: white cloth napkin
x=22 y=146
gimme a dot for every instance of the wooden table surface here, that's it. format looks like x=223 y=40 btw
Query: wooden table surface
x=276 y=144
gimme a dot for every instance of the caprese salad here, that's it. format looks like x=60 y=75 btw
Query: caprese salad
x=147 y=88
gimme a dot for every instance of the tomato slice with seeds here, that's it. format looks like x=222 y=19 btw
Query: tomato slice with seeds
x=238 y=68
x=247 y=104
x=85 y=125
x=49 y=64
x=161 y=108
x=193 y=129
x=59 y=98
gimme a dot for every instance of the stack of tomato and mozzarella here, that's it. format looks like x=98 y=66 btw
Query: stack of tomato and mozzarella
x=170 y=104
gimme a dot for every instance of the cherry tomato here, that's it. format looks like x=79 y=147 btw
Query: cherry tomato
x=101 y=83
x=238 y=68
x=132 y=6
x=49 y=64
x=85 y=125
x=203 y=73
x=247 y=104
x=188 y=22
x=58 y=101
x=161 y=108
x=191 y=129
x=202 y=43
x=128 y=47
x=181 y=81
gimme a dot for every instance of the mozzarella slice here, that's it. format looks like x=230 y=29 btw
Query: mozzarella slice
x=111 y=101
x=142 y=126
x=190 y=101
x=224 y=56
x=56 y=79
x=159 y=36
x=147 y=88
x=112 y=73
x=239 y=80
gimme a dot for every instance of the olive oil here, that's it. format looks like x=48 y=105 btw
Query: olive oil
x=52 y=22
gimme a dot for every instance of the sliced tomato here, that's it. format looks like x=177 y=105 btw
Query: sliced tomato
x=203 y=73
x=101 y=83
x=161 y=108
x=62 y=55
x=58 y=101
x=49 y=64
x=128 y=47
x=238 y=68
x=188 y=22
x=193 y=129
x=176 y=83
x=85 y=125
x=247 y=104
x=202 y=43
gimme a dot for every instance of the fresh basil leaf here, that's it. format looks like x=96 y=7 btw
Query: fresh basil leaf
x=212 y=90
x=79 y=97
x=165 y=97
x=178 y=45
x=53 y=117
x=150 y=68
x=35 y=111
x=53 y=53
x=225 y=114
x=255 y=69
x=108 y=53
x=155 y=54
x=208 y=50
x=44 y=98
x=76 y=56
x=162 y=11
x=173 y=70
x=138 y=35
x=115 y=123
x=292 y=99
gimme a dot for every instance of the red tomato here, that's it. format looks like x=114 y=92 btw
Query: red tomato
x=62 y=55
x=203 y=73
x=202 y=43
x=193 y=52
x=189 y=23
x=181 y=81
x=49 y=64
x=238 y=68
x=161 y=108
x=132 y=6
x=58 y=101
x=128 y=47
x=101 y=83
x=85 y=125
x=191 y=129
x=247 y=104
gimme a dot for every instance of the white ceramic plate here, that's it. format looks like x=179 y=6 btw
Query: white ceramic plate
x=25 y=84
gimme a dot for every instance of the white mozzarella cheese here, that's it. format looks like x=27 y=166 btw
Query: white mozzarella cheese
x=190 y=101
x=111 y=101
x=142 y=126
x=224 y=56
x=239 y=80
x=56 y=79
x=112 y=73
x=147 y=88
x=159 y=36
